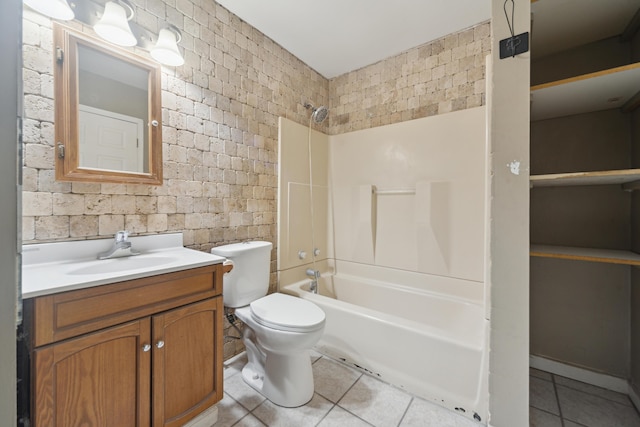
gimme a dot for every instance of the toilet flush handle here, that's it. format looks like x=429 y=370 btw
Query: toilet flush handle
x=227 y=266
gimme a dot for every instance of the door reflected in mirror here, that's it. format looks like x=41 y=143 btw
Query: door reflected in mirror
x=107 y=112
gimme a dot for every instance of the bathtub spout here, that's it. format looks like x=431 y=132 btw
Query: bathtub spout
x=313 y=287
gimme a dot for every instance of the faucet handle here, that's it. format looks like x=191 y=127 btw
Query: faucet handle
x=122 y=236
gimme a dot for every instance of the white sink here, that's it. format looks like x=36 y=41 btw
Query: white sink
x=116 y=265
x=49 y=268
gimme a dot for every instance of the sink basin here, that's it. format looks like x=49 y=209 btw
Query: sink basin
x=116 y=265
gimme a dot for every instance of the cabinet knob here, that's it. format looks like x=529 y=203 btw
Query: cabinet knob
x=160 y=344
x=146 y=347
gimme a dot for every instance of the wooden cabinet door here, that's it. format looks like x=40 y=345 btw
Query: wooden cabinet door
x=98 y=380
x=187 y=362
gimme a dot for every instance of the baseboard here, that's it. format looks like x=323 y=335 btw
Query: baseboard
x=580 y=374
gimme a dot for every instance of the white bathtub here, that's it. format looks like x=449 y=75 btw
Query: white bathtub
x=424 y=341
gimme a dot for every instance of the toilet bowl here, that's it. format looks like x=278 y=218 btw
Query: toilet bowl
x=279 y=329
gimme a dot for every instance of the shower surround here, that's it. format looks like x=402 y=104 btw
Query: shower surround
x=399 y=217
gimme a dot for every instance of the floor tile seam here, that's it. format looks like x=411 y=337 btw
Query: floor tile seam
x=237 y=402
x=326 y=413
x=555 y=393
x=339 y=398
x=248 y=409
x=355 y=415
x=594 y=394
x=544 y=410
x=404 y=414
x=531 y=405
x=597 y=395
x=245 y=416
x=636 y=408
x=362 y=373
x=348 y=389
x=538 y=378
x=574 y=421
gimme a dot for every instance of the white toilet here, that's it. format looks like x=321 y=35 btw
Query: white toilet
x=279 y=329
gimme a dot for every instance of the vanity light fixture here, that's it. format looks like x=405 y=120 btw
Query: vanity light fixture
x=56 y=9
x=166 y=49
x=114 y=25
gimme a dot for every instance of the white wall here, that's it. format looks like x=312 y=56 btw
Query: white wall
x=436 y=228
x=508 y=102
x=294 y=210
x=411 y=195
x=10 y=40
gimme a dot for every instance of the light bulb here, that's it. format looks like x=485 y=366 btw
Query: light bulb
x=166 y=49
x=114 y=25
x=56 y=9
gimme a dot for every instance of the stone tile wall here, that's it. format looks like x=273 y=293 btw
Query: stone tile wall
x=445 y=75
x=220 y=126
x=220 y=114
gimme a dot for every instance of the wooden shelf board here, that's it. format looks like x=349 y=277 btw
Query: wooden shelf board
x=598 y=91
x=609 y=256
x=623 y=176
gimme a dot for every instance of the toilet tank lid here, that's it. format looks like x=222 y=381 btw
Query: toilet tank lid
x=236 y=248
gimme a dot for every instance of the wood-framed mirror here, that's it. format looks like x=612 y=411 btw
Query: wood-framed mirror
x=108 y=113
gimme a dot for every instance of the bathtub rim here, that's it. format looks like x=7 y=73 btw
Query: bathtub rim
x=476 y=343
x=470 y=291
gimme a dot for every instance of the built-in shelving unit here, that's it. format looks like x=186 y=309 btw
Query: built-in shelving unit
x=624 y=176
x=584 y=270
x=603 y=90
x=609 y=256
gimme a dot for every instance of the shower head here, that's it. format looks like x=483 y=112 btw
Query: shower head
x=320 y=114
x=317 y=114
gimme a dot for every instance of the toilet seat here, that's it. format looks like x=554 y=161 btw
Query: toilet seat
x=287 y=313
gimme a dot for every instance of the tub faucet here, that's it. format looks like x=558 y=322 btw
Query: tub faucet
x=121 y=247
x=314 y=275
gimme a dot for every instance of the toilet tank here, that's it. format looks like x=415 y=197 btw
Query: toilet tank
x=249 y=279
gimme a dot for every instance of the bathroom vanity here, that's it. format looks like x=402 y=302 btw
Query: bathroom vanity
x=143 y=349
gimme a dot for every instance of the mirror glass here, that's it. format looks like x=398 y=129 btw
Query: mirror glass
x=107 y=112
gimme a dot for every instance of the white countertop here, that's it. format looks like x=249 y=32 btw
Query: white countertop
x=49 y=268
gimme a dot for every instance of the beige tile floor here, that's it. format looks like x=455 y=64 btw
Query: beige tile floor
x=557 y=401
x=344 y=397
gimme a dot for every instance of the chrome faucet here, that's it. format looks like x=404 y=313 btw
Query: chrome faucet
x=121 y=247
x=314 y=275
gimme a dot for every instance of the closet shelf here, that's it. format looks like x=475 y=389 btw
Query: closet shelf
x=609 y=256
x=623 y=176
x=603 y=90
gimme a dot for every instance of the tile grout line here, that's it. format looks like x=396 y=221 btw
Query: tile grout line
x=328 y=412
x=599 y=396
x=404 y=414
x=555 y=392
x=360 y=375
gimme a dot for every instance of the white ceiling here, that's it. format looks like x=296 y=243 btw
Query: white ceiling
x=337 y=36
